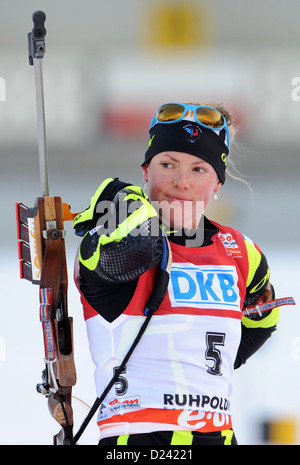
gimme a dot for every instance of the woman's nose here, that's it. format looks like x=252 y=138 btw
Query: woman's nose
x=181 y=180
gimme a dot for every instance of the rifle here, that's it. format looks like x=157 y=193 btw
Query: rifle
x=42 y=257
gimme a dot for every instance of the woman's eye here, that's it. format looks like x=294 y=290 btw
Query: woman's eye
x=198 y=169
x=166 y=164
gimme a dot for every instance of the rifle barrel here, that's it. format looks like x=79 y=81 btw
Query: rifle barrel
x=38 y=69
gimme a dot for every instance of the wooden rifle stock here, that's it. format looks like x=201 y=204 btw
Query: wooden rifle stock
x=57 y=325
x=43 y=262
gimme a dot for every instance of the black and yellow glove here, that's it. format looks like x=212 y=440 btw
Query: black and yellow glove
x=87 y=220
x=124 y=242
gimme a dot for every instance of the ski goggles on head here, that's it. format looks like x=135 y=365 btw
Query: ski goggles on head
x=203 y=115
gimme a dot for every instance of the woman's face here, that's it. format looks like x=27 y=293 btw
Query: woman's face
x=184 y=184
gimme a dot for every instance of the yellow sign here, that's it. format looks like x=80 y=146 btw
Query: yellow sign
x=172 y=24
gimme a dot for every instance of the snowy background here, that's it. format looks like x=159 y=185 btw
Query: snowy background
x=108 y=66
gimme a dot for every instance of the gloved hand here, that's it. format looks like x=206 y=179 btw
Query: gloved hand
x=107 y=191
x=126 y=241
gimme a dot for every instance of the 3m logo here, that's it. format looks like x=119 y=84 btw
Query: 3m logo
x=205 y=286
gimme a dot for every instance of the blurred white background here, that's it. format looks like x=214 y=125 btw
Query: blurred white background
x=107 y=67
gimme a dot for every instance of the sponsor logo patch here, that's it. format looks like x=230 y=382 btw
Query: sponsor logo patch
x=205 y=286
x=231 y=247
x=116 y=406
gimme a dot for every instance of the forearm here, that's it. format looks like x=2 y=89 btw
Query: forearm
x=252 y=339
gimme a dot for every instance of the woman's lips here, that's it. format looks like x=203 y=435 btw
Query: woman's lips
x=171 y=198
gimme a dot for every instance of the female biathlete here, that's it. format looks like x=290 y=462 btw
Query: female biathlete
x=176 y=386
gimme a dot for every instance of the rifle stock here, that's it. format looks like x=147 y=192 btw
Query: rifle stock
x=47 y=255
x=50 y=237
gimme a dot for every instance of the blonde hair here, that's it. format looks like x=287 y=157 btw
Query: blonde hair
x=233 y=128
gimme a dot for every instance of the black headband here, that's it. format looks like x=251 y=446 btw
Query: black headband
x=189 y=137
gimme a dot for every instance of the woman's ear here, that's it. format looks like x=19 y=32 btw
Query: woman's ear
x=145 y=172
x=218 y=187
